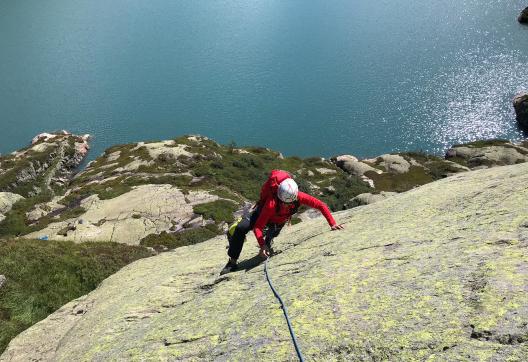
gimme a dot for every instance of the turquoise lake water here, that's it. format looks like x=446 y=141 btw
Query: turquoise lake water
x=317 y=77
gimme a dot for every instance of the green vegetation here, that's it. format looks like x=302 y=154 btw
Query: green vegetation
x=420 y=156
x=439 y=169
x=15 y=223
x=416 y=176
x=483 y=143
x=106 y=190
x=24 y=174
x=244 y=173
x=232 y=173
x=219 y=210
x=182 y=238
x=44 y=275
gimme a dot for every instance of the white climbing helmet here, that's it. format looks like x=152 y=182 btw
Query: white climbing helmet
x=288 y=190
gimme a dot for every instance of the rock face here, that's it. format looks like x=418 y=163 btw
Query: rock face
x=7 y=200
x=48 y=162
x=520 y=104
x=436 y=273
x=147 y=209
x=523 y=17
x=484 y=154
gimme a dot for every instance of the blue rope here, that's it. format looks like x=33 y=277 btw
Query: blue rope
x=285 y=311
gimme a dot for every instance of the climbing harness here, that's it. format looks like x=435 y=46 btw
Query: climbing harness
x=285 y=311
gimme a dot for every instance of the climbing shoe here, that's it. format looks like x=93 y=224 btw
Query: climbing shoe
x=230 y=267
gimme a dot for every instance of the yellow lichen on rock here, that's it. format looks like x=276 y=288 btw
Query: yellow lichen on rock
x=437 y=273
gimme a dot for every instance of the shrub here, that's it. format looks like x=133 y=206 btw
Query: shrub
x=219 y=210
x=484 y=143
x=416 y=176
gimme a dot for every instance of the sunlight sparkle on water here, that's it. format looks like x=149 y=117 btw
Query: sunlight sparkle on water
x=470 y=102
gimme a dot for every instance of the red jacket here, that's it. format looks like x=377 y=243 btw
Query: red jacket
x=269 y=214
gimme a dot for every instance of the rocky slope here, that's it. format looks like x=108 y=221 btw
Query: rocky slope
x=400 y=172
x=36 y=174
x=436 y=273
x=175 y=192
x=155 y=193
x=44 y=165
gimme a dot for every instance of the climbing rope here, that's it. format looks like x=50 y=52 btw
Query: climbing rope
x=285 y=311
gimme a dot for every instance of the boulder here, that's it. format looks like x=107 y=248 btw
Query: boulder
x=355 y=168
x=3 y=280
x=520 y=104
x=489 y=156
x=343 y=158
x=326 y=171
x=523 y=17
x=394 y=163
x=369 y=198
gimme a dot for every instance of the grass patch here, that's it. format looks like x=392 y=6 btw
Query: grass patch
x=416 y=176
x=295 y=220
x=483 y=143
x=182 y=238
x=44 y=275
x=420 y=156
x=15 y=223
x=460 y=160
x=175 y=180
x=344 y=189
x=219 y=210
x=440 y=169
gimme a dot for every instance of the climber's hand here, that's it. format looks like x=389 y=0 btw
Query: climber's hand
x=264 y=252
x=337 y=227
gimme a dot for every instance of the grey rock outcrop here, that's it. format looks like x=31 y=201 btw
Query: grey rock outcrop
x=394 y=163
x=494 y=153
x=523 y=17
x=369 y=198
x=3 y=280
x=7 y=200
x=49 y=161
x=128 y=218
x=352 y=166
x=520 y=104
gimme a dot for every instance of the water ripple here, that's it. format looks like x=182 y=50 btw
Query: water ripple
x=468 y=102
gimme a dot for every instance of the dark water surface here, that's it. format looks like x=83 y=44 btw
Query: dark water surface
x=319 y=77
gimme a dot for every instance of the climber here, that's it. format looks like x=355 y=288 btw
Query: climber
x=279 y=200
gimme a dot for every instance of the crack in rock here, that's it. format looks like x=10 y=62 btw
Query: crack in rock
x=505 y=339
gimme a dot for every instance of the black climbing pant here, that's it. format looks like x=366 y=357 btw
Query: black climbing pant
x=236 y=242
